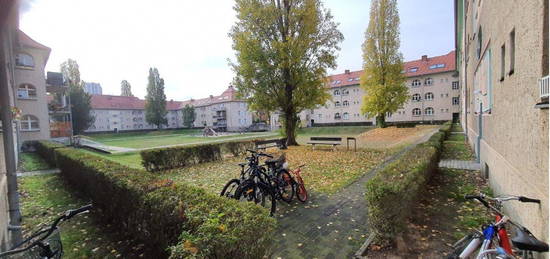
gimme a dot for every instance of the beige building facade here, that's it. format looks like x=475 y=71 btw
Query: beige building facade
x=503 y=65
x=127 y=113
x=434 y=93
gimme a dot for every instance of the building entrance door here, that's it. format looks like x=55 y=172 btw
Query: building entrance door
x=456 y=117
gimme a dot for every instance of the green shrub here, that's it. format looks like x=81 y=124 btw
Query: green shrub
x=392 y=194
x=174 y=157
x=45 y=149
x=175 y=220
x=446 y=128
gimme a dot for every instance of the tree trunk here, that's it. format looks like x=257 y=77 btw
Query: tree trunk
x=381 y=121
x=290 y=128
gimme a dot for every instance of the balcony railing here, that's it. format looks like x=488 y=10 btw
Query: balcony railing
x=544 y=86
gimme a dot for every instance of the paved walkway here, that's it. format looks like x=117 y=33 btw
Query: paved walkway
x=460 y=164
x=31 y=173
x=328 y=226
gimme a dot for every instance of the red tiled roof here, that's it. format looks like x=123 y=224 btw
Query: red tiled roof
x=423 y=68
x=25 y=40
x=115 y=102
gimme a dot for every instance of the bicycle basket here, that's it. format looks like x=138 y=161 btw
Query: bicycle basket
x=54 y=241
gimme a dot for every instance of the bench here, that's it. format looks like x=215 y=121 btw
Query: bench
x=264 y=144
x=329 y=141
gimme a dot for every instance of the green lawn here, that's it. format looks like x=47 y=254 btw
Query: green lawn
x=44 y=197
x=164 y=138
x=33 y=162
x=130 y=159
x=458 y=150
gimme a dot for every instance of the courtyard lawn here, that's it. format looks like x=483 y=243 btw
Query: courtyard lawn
x=33 y=162
x=326 y=171
x=44 y=197
x=130 y=159
x=167 y=138
x=333 y=131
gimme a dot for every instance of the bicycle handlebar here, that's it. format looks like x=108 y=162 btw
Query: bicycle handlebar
x=525 y=199
x=71 y=213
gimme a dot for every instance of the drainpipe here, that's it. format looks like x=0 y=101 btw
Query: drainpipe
x=480 y=131
x=9 y=154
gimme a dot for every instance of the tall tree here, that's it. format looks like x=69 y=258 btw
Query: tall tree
x=80 y=100
x=383 y=63
x=125 y=88
x=283 y=48
x=155 y=101
x=188 y=116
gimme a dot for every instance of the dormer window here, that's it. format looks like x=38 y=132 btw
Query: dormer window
x=24 y=60
x=413 y=69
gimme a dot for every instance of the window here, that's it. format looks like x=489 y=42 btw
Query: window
x=336 y=92
x=345 y=92
x=479 y=42
x=428 y=81
x=429 y=96
x=512 y=51
x=345 y=103
x=320 y=116
x=350 y=79
x=346 y=116
x=434 y=66
x=416 y=82
x=416 y=97
x=429 y=111
x=413 y=69
x=26 y=91
x=502 y=61
x=337 y=116
x=455 y=85
x=24 y=60
x=29 y=123
x=456 y=100
x=416 y=112
x=337 y=104
x=357 y=79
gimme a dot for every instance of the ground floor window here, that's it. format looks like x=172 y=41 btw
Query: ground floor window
x=429 y=111
x=416 y=112
x=29 y=122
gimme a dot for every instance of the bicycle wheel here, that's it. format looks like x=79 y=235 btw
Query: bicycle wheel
x=285 y=186
x=301 y=192
x=266 y=199
x=257 y=193
x=230 y=188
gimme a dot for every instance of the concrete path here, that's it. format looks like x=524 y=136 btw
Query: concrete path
x=460 y=164
x=39 y=172
x=328 y=226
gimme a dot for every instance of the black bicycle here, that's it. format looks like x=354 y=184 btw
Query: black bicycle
x=45 y=243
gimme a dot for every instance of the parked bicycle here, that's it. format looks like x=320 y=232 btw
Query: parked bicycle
x=493 y=241
x=45 y=243
x=298 y=183
x=261 y=184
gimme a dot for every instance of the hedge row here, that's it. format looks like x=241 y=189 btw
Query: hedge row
x=46 y=149
x=394 y=191
x=177 y=220
x=174 y=157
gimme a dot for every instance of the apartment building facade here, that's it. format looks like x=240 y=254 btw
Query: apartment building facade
x=433 y=88
x=503 y=66
x=93 y=88
x=127 y=113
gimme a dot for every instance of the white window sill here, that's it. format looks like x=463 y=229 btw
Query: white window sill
x=31 y=130
x=24 y=68
x=27 y=99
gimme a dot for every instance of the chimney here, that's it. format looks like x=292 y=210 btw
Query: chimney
x=211 y=97
x=346 y=71
x=171 y=100
x=424 y=57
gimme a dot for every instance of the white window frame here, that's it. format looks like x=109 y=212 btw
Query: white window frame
x=26 y=123
x=24 y=60
x=416 y=83
x=345 y=116
x=416 y=112
x=24 y=92
x=429 y=111
x=429 y=81
x=416 y=97
x=429 y=96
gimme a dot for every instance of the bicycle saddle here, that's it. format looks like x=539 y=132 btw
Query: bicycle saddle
x=275 y=161
x=524 y=240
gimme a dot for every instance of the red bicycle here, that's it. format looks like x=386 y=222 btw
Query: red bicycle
x=298 y=183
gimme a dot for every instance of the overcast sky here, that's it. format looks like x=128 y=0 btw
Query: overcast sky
x=114 y=40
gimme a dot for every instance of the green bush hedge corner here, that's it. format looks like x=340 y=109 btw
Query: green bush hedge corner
x=175 y=157
x=394 y=191
x=45 y=149
x=176 y=220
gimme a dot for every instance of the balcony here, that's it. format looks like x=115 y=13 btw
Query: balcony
x=544 y=84
x=544 y=90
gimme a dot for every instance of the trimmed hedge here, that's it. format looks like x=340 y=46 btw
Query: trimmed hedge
x=45 y=149
x=174 y=157
x=394 y=191
x=176 y=220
